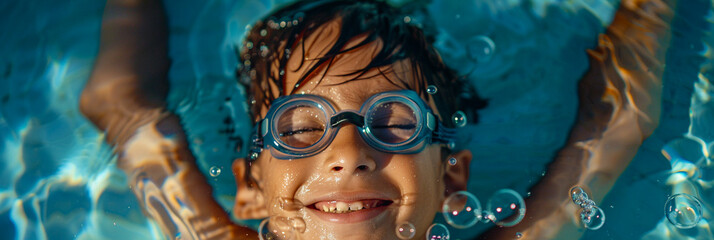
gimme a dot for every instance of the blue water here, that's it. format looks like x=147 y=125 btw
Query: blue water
x=58 y=179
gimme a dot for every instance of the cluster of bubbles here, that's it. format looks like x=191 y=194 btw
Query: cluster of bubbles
x=463 y=210
x=591 y=216
x=505 y=208
x=286 y=22
x=683 y=210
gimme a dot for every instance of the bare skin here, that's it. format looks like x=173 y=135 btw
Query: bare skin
x=349 y=169
x=620 y=99
x=125 y=97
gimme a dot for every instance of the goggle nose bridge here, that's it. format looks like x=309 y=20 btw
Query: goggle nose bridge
x=347 y=116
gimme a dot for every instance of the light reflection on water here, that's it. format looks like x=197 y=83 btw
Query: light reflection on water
x=58 y=179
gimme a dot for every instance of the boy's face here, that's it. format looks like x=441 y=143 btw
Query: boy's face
x=397 y=187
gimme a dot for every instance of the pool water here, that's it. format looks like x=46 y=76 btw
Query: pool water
x=58 y=179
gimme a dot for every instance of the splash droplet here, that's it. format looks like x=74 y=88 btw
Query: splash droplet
x=214 y=171
x=507 y=208
x=405 y=230
x=461 y=209
x=481 y=48
x=437 y=231
x=452 y=161
x=593 y=219
x=683 y=210
x=431 y=89
x=459 y=119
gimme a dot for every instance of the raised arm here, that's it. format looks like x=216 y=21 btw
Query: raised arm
x=620 y=99
x=125 y=98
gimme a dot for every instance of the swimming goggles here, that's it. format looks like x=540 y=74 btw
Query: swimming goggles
x=303 y=125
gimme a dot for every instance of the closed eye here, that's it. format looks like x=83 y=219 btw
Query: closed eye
x=299 y=131
x=397 y=126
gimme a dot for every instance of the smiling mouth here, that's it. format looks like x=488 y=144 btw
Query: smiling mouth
x=349 y=207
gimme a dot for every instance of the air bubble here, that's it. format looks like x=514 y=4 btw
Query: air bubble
x=683 y=210
x=276 y=229
x=519 y=235
x=461 y=209
x=214 y=171
x=452 y=161
x=437 y=231
x=249 y=45
x=481 y=48
x=407 y=19
x=264 y=51
x=451 y=145
x=431 y=89
x=459 y=119
x=405 y=230
x=506 y=208
x=578 y=195
x=263 y=32
x=593 y=219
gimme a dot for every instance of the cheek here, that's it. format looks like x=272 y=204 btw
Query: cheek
x=280 y=180
x=420 y=179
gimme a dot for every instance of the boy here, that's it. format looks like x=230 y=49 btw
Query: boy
x=353 y=174
x=322 y=166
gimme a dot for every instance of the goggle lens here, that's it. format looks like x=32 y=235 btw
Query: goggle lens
x=392 y=122
x=301 y=126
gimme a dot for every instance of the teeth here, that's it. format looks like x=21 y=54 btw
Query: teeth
x=356 y=206
x=343 y=207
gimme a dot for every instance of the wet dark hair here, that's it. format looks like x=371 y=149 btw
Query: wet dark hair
x=271 y=41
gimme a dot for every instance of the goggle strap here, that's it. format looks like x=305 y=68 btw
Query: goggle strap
x=443 y=134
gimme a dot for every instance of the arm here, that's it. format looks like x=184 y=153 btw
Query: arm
x=125 y=98
x=619 y=107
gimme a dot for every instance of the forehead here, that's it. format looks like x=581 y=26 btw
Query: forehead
x=336 y=80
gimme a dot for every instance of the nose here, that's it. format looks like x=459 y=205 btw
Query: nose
x=349 y=153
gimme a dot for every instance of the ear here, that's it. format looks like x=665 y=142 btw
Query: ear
x=456 y=177
x=250 y=203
